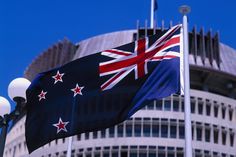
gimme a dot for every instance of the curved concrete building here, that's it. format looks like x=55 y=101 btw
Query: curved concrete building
x=157 y=129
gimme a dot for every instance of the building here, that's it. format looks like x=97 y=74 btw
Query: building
x=157 y=129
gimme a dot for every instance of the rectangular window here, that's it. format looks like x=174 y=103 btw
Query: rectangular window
x=146 y=130
x=173 y=131
x=114 y=154
x=175 y=105
x=167 y=105
x=216 y=111
x=105 y=154
x=223 y=112
x=223 y=137
x=199 y=133
x=120 y=130
x=133 y=154
x=128 y=130
x=111 y=131
x=150 y=106
x=200 y=108
x=192 y=106
x=164 y=130
x=208 y=109
x=216 y=134
x=137 y=130
x=181 y=131
x=86 y=135
x=180 y=154
x=207 y=134
x=95 y=134
x=155 y=130
x=182 y=105
x=231 y=139
x=151 y=154
x=103 y=133
x=159 y=105
x=231 y=114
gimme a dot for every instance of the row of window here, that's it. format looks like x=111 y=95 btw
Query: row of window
x=198 y=106
x=164 y=128
x=139 y=151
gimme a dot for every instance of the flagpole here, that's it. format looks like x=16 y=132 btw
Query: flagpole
x=152 y=14
x=187 y=109
x=69 y=147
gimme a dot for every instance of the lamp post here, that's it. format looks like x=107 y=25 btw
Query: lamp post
x=16 y=91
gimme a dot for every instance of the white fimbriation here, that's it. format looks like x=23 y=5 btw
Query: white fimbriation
x=152 y=14
x=187 y=108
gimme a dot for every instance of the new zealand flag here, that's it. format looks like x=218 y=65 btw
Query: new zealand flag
x=103 y=89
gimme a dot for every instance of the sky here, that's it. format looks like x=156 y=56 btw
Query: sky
x=27 y=27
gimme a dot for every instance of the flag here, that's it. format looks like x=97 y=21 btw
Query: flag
x=103 y=89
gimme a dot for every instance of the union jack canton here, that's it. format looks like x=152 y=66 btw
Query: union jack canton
x=123 y=62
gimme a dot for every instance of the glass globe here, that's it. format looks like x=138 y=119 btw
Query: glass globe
x=17 y=88
x=5 y=106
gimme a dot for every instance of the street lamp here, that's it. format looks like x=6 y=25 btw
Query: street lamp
x=17 y=92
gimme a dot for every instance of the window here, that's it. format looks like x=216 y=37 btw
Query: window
x=128 y=130
x=207 y=134
x=151 y=154
x=159 y=105
x=161 y=154
x=164 y=130
x=142 y=154
x=103 y=133
x=200 y=107
x=175 y=105
x=216 y=133
x=120 y=130
x=223 y=112
x=105 y=154
x=208 y=109
x=133 y=154
x=114 y=154
x=86 y=135
x=167 y=105
x=216 y=111
x=137 y=130
x=181 y=131
x=223 y=137
x=150 y=106
x=231 y=139
x=180 y=154
x=231 y=114
x=146 y=130
x=111 y=131
x=173 y=131
x=95 y=134
x=182 y=105
x=155 y=130
x=199 y=133
x=192 y=106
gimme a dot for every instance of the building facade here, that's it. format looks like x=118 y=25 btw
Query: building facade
x=158 y=128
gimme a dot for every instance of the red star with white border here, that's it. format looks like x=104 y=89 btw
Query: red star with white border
x=42 y=95
x=58 y=77
x=77 y=90
x=61 y=126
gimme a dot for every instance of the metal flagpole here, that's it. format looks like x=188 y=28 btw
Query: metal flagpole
x=152 y=14
x=69 y=147
x=187 y=110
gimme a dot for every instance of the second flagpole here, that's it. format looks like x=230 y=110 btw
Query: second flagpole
x=187 y=109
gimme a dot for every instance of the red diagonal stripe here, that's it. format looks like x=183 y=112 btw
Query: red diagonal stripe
x=117 y=52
